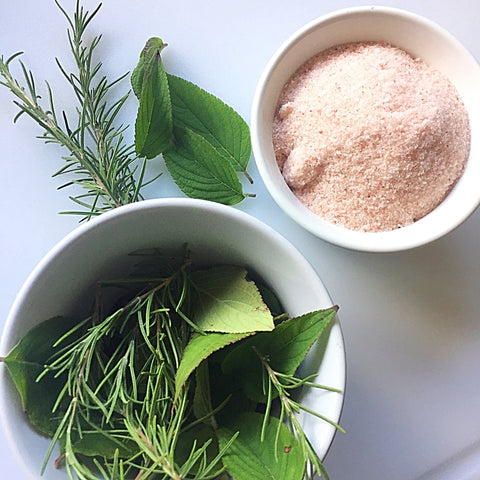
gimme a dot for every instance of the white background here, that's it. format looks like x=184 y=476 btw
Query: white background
x=411 y=320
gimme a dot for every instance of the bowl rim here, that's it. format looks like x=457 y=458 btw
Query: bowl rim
x=401 y=239
x=9 y=336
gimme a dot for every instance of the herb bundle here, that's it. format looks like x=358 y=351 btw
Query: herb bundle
x=204 y=142
x=189 y=375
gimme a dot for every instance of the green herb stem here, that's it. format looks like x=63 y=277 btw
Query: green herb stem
x=282 y=383
x=99 y=160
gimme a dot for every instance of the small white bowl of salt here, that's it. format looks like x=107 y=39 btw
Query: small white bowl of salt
x=366 y=129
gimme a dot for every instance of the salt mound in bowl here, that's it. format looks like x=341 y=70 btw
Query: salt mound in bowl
x=420 y=38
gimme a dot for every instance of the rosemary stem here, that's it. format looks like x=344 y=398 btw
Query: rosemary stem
x=98 y=157
x=32 y=108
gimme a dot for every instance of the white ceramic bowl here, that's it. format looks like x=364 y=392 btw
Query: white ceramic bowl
x=421 y=38
x=215 y=234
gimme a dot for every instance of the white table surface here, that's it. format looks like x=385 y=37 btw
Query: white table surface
x=411 y=320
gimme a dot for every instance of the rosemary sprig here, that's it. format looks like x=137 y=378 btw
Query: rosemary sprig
x=279 y=385
x=99 y=160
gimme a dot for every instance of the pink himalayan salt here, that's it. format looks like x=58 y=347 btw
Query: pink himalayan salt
x=370 y=138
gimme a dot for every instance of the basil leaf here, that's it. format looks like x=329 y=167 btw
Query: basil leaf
x=200 y=436
x=102 y=444
x=154 y=124
x=226 y=392
x=202 y=399
x=25 y=362
x=285 y=348
x=137 y=77
x=271 y=300
x=198 y=349
x=250 y=458
x=202 y=172
x=208 y=116
x=227 y=302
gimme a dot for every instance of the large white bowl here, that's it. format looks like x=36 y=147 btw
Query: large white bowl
x=421 y=38
x=215 y=234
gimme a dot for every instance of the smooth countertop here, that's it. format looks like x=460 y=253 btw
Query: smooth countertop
x=411 y=320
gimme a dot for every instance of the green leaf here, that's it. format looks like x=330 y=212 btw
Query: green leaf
x=26 y=361
x=271 y=299
x=154 y=124
x=200 y=111
x=198 y=349
x=93 y=444
x=285 y=348
x=198 y=436
x=228 y=302
x=202 y=400
x=202 y=172
x=250 y=458
x=137 y=77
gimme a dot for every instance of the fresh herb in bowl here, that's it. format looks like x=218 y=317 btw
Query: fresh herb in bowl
x=205 y=143
x=187 y=374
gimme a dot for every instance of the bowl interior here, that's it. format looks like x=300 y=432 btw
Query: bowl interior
x=421 y=38
x=215 y=234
